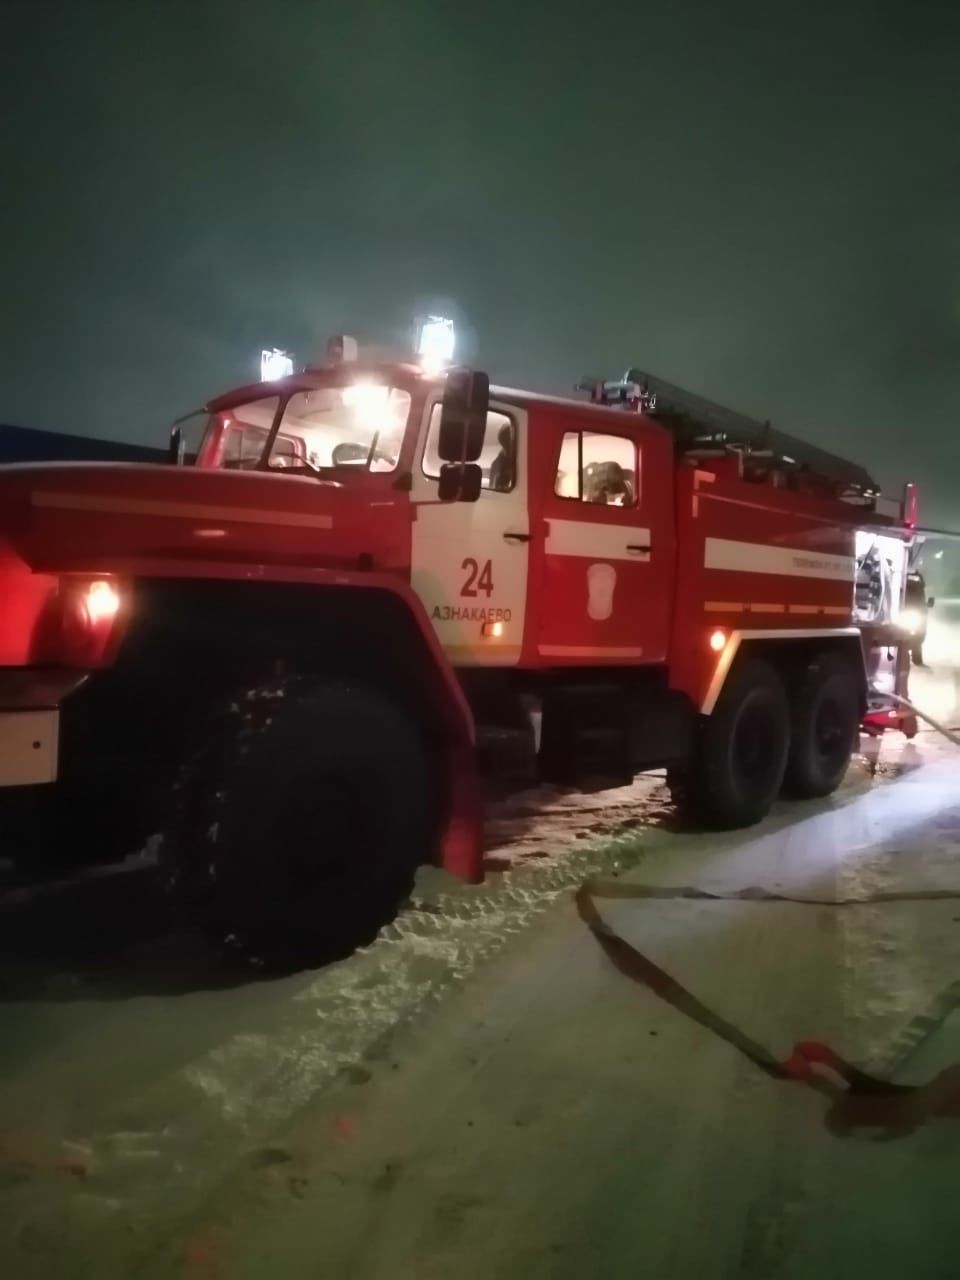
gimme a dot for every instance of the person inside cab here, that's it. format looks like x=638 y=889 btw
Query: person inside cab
x=503 y=467
x=607 y=483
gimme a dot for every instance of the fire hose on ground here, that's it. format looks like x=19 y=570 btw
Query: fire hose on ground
x=857 y=1099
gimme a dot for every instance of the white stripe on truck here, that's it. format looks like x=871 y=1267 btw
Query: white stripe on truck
x=785 y=562
x=596 y=541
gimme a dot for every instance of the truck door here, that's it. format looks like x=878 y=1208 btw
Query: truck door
x=469 y=559
x=605 y=490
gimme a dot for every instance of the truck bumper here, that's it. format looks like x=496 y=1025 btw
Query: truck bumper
x=30 y=702
x=28 y=747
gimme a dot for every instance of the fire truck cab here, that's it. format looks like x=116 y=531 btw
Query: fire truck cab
x=292 y=651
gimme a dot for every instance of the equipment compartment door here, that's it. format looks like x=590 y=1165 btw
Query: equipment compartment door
x=469 y=559
x=608 y=541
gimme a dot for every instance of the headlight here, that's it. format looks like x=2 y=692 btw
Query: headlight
x=911 y=620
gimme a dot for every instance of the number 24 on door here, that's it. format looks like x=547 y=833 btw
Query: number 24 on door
x=479 y=578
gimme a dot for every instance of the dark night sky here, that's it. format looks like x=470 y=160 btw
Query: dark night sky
x=758 y=201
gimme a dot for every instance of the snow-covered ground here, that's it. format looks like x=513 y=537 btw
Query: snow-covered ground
x=481 y=1093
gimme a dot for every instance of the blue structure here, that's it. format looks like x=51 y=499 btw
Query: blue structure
x=22 y=444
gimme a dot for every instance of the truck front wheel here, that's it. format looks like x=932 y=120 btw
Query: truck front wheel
x=741 y=754
x=826 y=715
x=300 y=821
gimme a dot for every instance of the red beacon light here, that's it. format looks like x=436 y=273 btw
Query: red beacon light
x=342 y=349
x=910 y=506
x=275 y=364
x=436 y=344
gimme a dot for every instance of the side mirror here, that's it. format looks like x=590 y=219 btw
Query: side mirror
x=463 y=416
x=176 y=450
x=460 y=482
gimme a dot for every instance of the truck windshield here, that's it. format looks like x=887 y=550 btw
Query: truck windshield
x=359 y=426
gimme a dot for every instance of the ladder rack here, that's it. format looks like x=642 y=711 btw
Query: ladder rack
x=700 y=426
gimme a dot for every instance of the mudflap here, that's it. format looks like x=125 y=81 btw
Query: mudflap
x=461 y=840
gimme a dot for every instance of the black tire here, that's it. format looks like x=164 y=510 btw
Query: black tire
x=300 y=821
x=678 y=786
x=825 y=722
x=742 y=750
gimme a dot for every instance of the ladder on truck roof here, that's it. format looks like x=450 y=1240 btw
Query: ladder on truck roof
x=701 y=426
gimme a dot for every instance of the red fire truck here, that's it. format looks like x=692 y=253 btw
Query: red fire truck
x=291 y=650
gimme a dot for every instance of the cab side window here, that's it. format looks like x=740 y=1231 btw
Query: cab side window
x=498 y=458
x=597 y=468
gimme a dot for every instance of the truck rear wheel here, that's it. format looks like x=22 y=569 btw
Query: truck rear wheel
x=826 y=715
x=742 y=752
x=300 y=822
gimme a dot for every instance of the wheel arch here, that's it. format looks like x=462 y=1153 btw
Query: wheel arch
x=215 y=633
x=790 y=652
x=350 y=625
